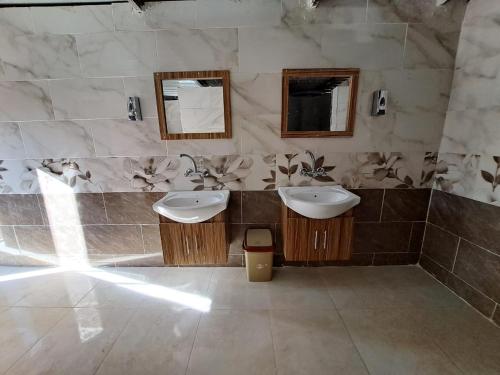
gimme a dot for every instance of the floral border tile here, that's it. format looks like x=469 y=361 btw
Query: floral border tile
x=488 y=180
x=153 y=174
x=456 y=173
x=428 y=169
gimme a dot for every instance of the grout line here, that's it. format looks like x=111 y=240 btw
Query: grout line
x=456 y=254
x=382 y=206
x=410 y=238
x=105 y=209
x=142 y=239
x=270 y=320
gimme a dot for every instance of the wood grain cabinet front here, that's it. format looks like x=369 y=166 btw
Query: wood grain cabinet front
x=195 y=244
x=313 y=240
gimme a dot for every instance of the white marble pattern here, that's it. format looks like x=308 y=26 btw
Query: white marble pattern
x=367 y=46
x=330 y=11
x=240 y=13
x=11 y=143
x=16 y=21
x=271 y=49
x=205 y=146
x=39 y=56
x=57 y=139
x=253 y=93
x=481 y=12
x=109 y=174
x=88 y=98
x=161 y=15
x=73 y=19
x=200 y=49
x=25 y=101
x=117 y=53
x=144 y=88
x=127 y=138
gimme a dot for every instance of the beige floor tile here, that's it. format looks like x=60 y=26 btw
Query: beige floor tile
x=21 y=328
x=155 y=341
x=233 y=342
x=76 y=345
x=392 y=342
x=313 y=342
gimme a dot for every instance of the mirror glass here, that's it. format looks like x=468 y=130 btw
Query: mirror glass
x=318 y=103
x=193 y=105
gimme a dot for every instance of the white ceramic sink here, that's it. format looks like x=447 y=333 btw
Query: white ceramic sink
x=318 y=202
x=192 y=206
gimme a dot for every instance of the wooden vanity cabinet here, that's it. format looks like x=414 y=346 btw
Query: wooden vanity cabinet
x=313 y=240
x=204 y=243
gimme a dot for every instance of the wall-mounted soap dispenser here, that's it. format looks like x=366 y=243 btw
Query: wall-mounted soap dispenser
x=379 y=106
x=134 y=109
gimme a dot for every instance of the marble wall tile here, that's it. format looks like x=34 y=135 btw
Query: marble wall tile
x=127 y=138
x=270 y=49
x=39 y=56
x=367 y=46
x=161 y=15
x=117 y=53
x=430 y=48
x=11 y=143
x=88 y=98
x=475 y=90
x=205 y=146
x=16 y=21
x=481 y=12
x=330 y=11
x=144 y=88
x=72 y=208
x=131 y=208
x=73 y=19
x=479 y=268
x=113 y=239
x=43 y=139
x=200 y=49
x=471 y=131
x=154 y=174
x=255 y=93
x=251 y=13
x=456 y=173
x=25 y=101
x=19 y=209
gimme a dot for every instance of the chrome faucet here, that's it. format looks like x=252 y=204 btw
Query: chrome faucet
x=313 y=171
x=190 y=172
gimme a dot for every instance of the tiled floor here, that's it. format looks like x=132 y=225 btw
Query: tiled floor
x=383 y=320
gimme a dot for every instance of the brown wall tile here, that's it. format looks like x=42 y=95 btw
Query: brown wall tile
x=384 y=259
x=381 y=237
x=145 y=260
x=417 y=237
x=475 y=221
x=7 y=237
x=20 y=209
x=496 y=315
x=479 y=268
x=471 y=295
x=234 y=207
x=131 y=208
x=370 y=207
x=261 y=207
x=151 y=237
x=440 y=246
x=405 y=204
x=433 y=268
x=113 y=239
x=64 y=241
x=73 y=209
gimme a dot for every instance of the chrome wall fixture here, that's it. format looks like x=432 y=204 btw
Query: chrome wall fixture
x=379 y=105
x=134 y=109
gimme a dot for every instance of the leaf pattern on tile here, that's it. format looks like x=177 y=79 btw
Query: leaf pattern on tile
x=428 y=169
x=290 y=169
x=456 y=173
x=153 y=174
x=387 y=165
x=4 y=187
x=67 y=171
x=226 y=172
x=488 y=180
x=270 y=161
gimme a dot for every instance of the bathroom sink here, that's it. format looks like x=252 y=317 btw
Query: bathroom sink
x=318 y=202
x=192 y=206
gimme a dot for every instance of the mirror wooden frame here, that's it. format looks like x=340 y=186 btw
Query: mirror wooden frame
x=351 y=73
x=208 y=74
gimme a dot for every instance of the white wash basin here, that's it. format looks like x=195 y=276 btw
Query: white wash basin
x=192 y=206
x=318 y=202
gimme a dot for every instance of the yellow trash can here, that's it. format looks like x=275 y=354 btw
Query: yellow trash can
x=259 y=248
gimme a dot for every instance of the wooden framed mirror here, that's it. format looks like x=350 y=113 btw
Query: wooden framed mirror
x=193 y=105
x=318 y=102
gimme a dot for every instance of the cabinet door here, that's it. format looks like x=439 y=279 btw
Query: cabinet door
x=297 y=240
x=346 y=236
x=331 y=239
x=173 y=243
x=317 y=229
x=208 y=243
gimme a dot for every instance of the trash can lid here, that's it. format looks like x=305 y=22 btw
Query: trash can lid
x=258 y=240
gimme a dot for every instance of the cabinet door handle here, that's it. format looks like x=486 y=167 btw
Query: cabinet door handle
x=187 y=245
x=196 y=244
x=315 y=240
x=324 y=241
